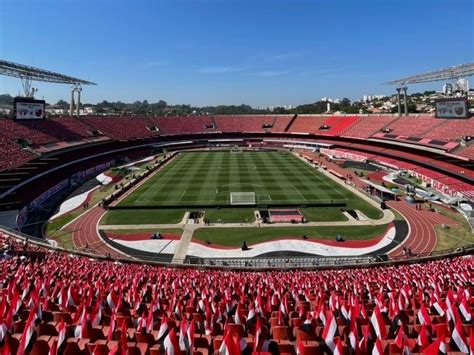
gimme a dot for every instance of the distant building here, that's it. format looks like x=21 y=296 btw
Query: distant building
x=369 y=98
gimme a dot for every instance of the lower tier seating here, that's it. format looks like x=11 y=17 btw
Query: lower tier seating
x=52 y=301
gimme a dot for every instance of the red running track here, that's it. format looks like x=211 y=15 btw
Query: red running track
x=422 y=236
x=84 y=233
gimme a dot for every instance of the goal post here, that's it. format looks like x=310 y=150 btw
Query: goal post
x=242 y=198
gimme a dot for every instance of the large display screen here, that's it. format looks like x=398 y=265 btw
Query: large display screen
x=28 y=109
x=452 y=108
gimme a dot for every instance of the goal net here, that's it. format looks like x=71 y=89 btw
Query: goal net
x=236 y=149
x=242 y=198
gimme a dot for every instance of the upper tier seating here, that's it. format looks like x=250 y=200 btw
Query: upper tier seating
x=413 y=126
x=307 y=124
x=242 y=123
x=12 y=155
x=122 y=127
x=452 y=129
x=184 y=125
x=467 y=152
x=368 y=125
x=42 y=132
x=104 y=306
x=338 y=125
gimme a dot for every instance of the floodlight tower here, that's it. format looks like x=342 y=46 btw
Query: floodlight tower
x=452 y=73
x=405 y=99
x=28 y=74
x=75 y=89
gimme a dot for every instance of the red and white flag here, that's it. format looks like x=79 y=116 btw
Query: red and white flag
x=238 y=317
x=353 y=336
x=113 y=324
x=171 y=343
x=258 y=333
x=423 y=316
x=61 y=335
x=28 y=333
x=465 y=310
x=423 y=339
x=329 y=331
x=438 y=347
x=229 y=346
x=377 y=350
x=338 y=349
x=113 y=300
x=378 y=323
x=186 y=335
x=163 y=328
x=459 y=337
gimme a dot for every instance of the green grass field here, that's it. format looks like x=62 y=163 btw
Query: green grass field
x=233 y=237
x=208 y=178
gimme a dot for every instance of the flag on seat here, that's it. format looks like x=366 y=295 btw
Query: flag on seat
x=459 y=337
x=438 y=347
x=28 y=334
x=171 y=344
x=378 y=323
x=329 y=331
x=229 y=346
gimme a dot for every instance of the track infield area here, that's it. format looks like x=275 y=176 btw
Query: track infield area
x=209 y=178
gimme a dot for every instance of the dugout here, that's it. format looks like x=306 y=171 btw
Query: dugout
x=380 y=191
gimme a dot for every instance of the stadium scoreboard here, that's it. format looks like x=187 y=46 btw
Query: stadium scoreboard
x=25 y=108
x=452 y=108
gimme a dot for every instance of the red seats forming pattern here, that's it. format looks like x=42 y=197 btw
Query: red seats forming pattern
x=46 y=131
x=184 y=125
x=307 y=124
x=122 y=127
x=83 y=306
x=452 y=129
x=413 y=126
x=57 y=130
x=338 y=125
x=467 y=152
x=11 y=154
x=369 y=125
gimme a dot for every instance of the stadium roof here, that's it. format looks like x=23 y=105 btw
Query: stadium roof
x=26 y=72
x=454 y=72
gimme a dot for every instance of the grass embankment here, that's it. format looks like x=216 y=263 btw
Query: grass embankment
x=143 y=216
x=233 y=237
x=174 y=231
x=454 y=236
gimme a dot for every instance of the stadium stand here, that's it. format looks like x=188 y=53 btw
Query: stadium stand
x=307 y=124
x=405 y=126
x=338 y=125
x=122 y=127
x=369 y=125
x=51 y=301
x=184 y=125
x=452 y=129
x=46 y=131
x=467 y=152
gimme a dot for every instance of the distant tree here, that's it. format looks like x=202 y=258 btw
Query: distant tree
x=6 y=99
x=62 y=104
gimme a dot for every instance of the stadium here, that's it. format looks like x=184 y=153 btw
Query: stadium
x=261 y=233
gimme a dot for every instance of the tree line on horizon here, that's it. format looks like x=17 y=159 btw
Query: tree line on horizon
x=162 y=108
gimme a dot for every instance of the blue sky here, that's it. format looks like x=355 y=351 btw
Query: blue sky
x=209 y=52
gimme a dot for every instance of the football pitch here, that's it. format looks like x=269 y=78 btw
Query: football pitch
x=209 y=178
